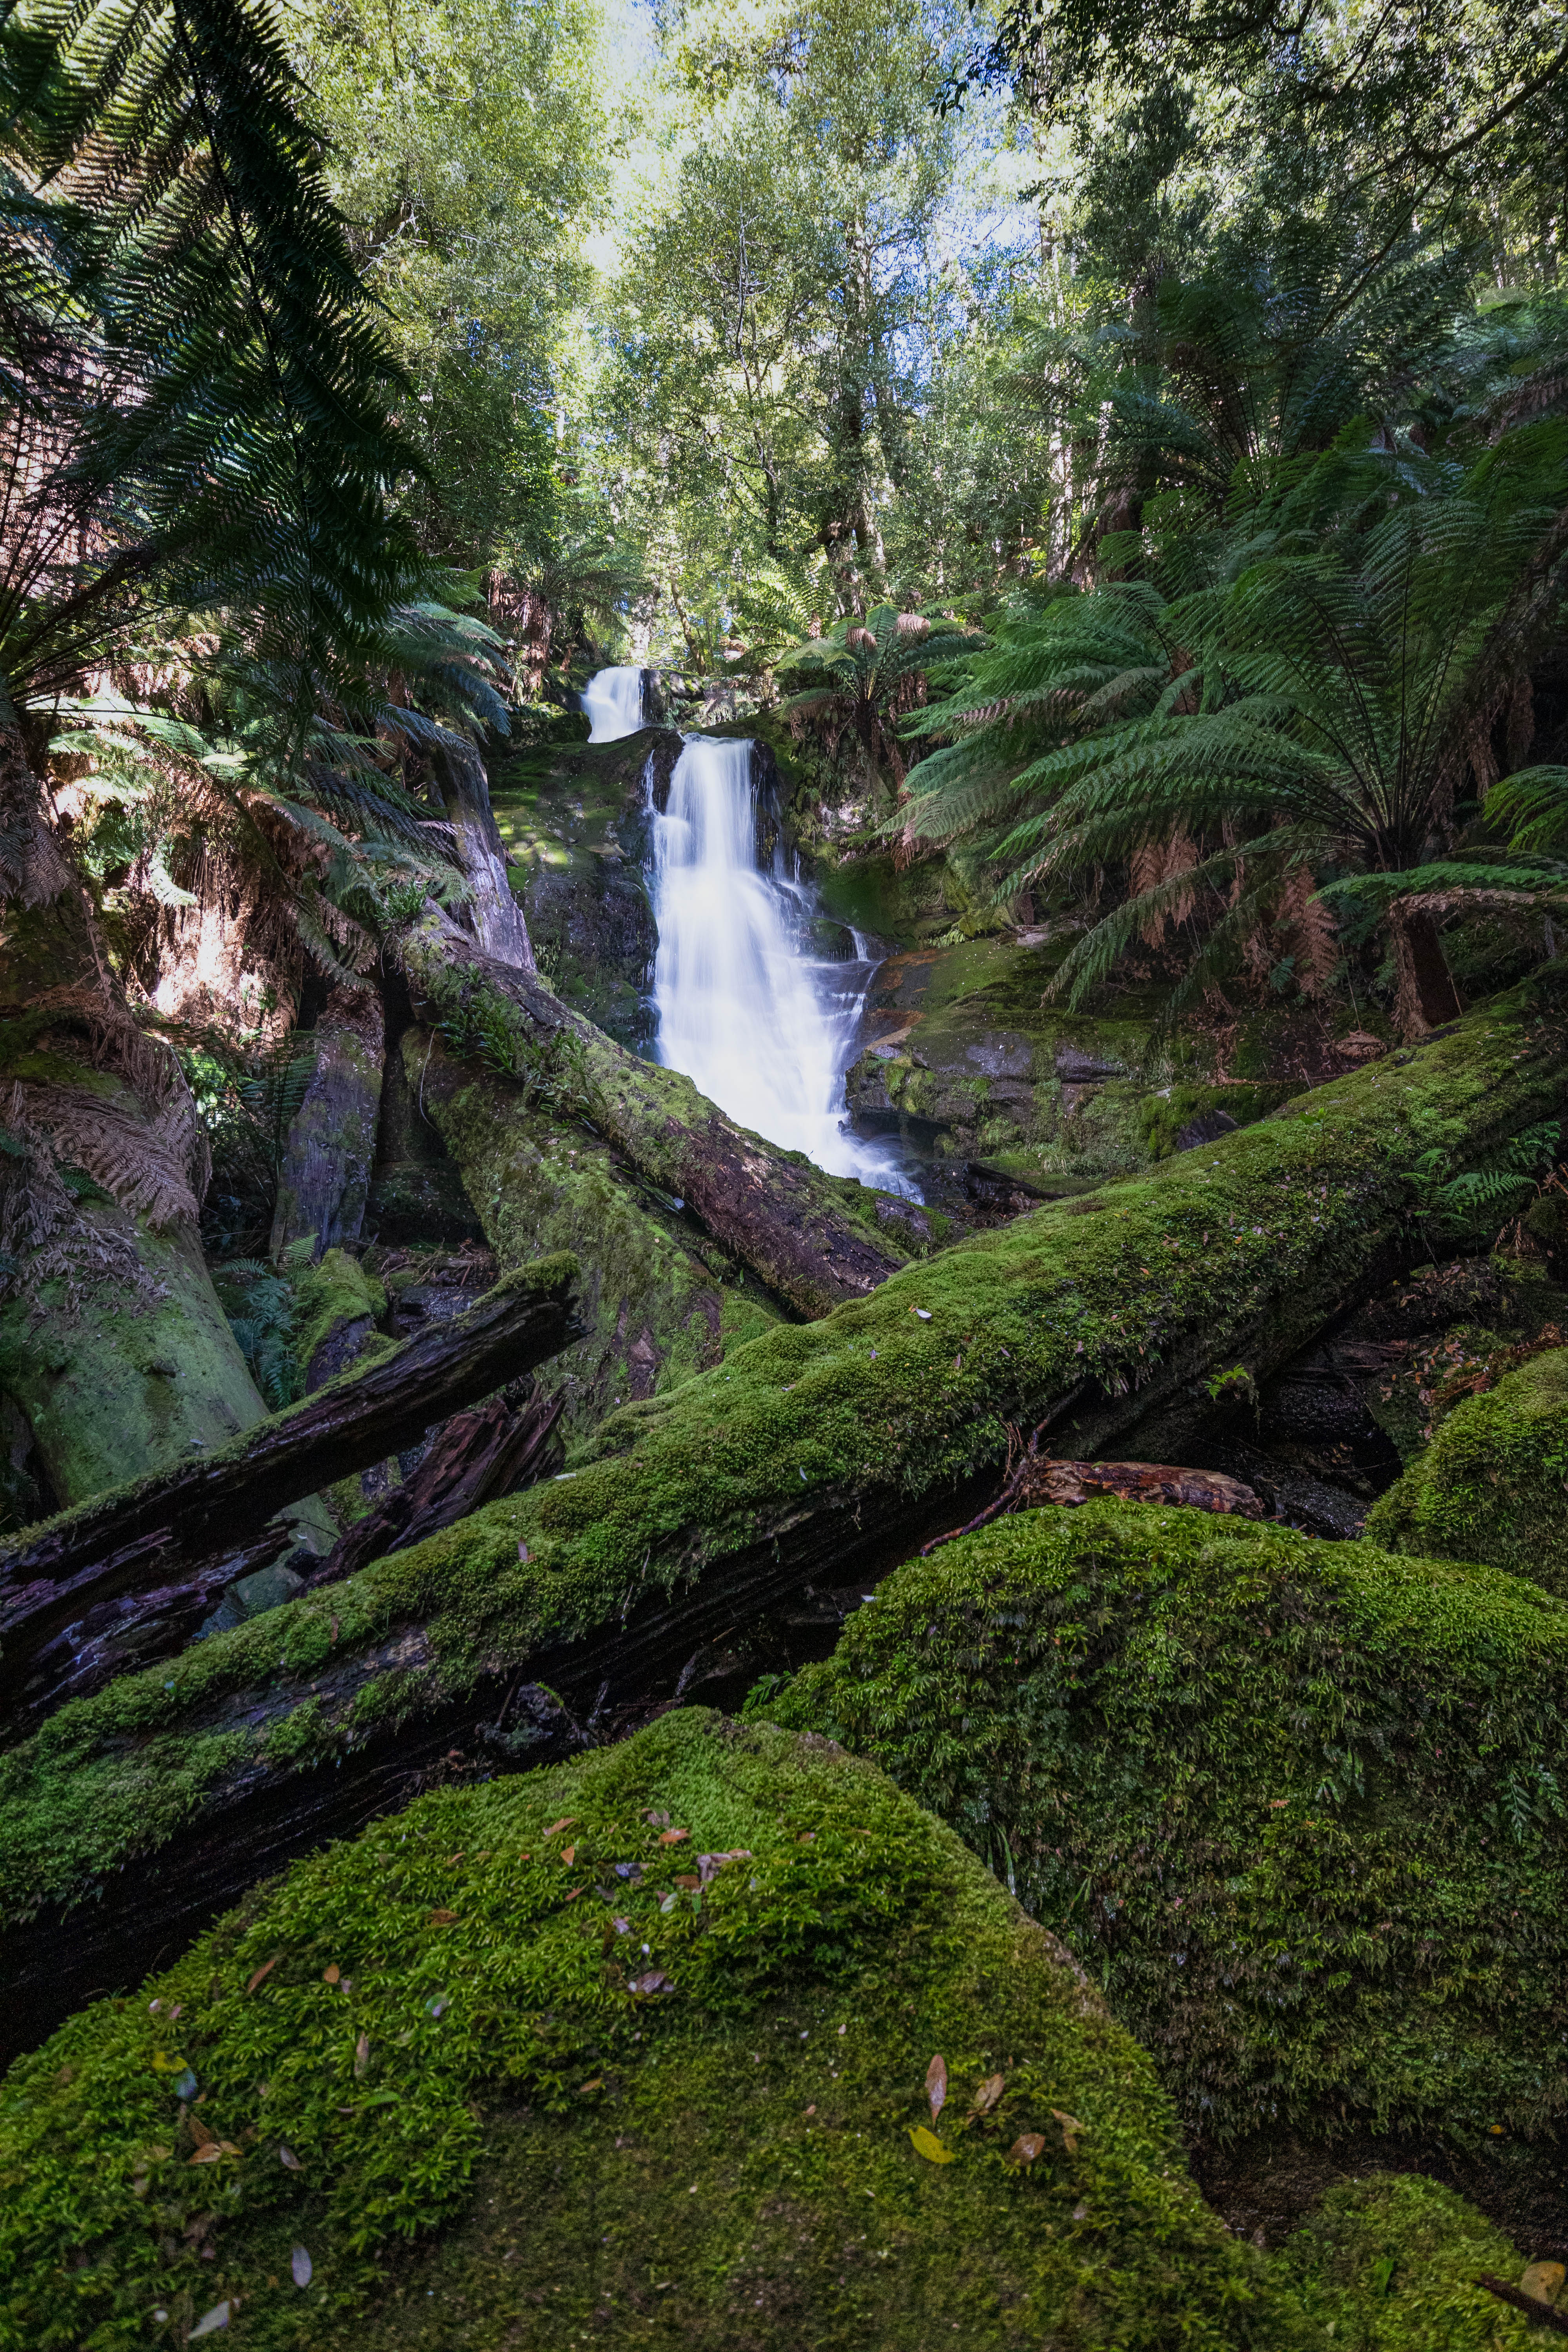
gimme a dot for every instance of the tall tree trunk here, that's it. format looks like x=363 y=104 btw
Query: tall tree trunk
x=493 y=914
x=331 y=1148
x=113 y=1342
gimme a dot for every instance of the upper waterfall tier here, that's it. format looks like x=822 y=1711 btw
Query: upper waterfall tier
x=763 y=1026
x=613 y=700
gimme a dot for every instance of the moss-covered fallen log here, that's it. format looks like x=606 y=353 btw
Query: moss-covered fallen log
x=657 y=1303
x=1293 y=1802
x=135 y=1537
x=1493 y=1484
x=811 y=1238
x=691 y=1987
x=822 y=1452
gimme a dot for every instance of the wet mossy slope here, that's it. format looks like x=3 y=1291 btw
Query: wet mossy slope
x=646 y=2040
x=1295 y=1804
x=809 y=1436
x=1492 y=1484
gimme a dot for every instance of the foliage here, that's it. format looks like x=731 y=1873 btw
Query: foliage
x=262 y=1311
x=196 y=403
x=871 y=672
x=1294 y=1804
x=1317 y=699
x=513 y=1975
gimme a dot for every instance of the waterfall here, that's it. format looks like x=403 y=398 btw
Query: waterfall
x=613 y=700
x=765 y=1027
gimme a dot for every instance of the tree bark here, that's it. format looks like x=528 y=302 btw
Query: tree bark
x=815 y=1457
x=658 y=1302
x=1425 y=998
x=135 y=1540
x=493 y=914
x=795 y=1227
x=113 y=1342
x=331 y=1148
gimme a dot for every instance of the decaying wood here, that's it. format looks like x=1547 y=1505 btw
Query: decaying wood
x=1035 y=1479
x=779 y=1214
x=133 y=1540
x=494 y=1450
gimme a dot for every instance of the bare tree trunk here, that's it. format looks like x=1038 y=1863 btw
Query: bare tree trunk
x=113 y=1342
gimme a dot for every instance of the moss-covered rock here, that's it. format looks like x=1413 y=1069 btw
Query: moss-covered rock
x=1491 y=1486
x=1295 y=1804
x=969 y=1048
x=647 y=2042
x=659 y=1302
x=573 y=817
x=1389 y=2264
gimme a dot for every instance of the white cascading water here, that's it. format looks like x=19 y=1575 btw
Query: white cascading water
x=613 y=700
x=764 y=1028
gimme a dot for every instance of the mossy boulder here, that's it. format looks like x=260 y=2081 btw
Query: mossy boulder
x=638 y=2048
x=1389 y=2264
x=1491 y=1486
x=1294 y=1804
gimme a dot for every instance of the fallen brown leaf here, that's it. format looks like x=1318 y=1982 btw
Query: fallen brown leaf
x=331 y=1973
x=362 y=2054
x=264 y=1970
x=936 y=2084
x=443 y=1919
x=564 y=1824
x=989 y=2093
x=1071 y=2128
x=673 y=1837
x=1026 y=2148
x=568 y=1855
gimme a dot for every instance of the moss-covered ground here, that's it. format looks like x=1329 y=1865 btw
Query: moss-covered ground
x=1493 y=1483
x=1215 y=1253
x=1295 y=1805
x=647 y=2039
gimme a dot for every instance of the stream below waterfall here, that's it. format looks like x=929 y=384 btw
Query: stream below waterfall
x=750 y=1006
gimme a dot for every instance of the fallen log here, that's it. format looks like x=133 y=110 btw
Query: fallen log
x=135 y=1540
x=1039 y=1479
x=811 y=1238
x=821 y=1454
x=496 y=1450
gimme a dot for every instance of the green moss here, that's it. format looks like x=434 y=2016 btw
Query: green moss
x=334 y=1297
x=1162 y=1117
x=1491 y=1486
x=1247 y=1243
x=438 y=2023
x=1295 y=1804
x=659 y=1303
x=1389 y=2265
